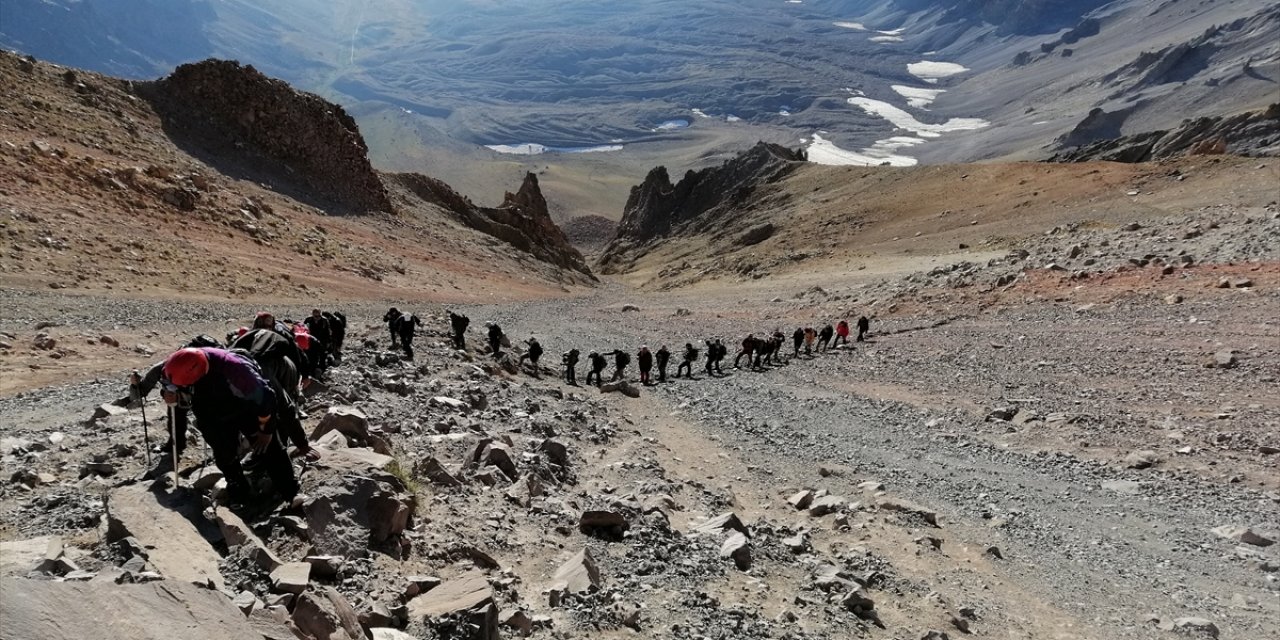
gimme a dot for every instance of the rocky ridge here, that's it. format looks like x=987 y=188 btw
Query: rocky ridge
x=702 y=199
x=234 y=108
x=89 y=171
x=522 y=219
x=1250 y=134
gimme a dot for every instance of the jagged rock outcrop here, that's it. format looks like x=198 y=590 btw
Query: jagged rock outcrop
x=656 y=208
x=1254 y=133
x=238 y=110
x=522 y=219
x=1098 y=125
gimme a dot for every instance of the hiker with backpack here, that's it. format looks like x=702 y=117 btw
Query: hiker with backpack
x=570 y=361
x=598 y=363
x=230 y=398
x=533 y=353
x=663 y=357
x=404 y=326
x=686 y=365
x=749 y=346
x=645 y=360
x=176 y=421
x=338 y=329
x=458 y=324
x=392 y=318
x=495 y=339
x=620 y=361
x=842 y=333
x=275 y=356
x=824 y=338
x=320 y=328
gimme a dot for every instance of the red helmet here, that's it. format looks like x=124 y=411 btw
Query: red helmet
x=242 y=330
x=186 y=366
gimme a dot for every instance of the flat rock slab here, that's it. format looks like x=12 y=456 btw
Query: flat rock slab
x=358 y=460
x=724 y=522
x=579 y=574
x=161 y=610
x=464 y=593
x=166 y=526
x=19 y=557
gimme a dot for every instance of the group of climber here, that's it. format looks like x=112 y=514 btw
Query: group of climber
x=251 y=387
x=759 y=352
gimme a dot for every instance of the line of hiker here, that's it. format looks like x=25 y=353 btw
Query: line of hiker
x=759 y=353
x=250 y=390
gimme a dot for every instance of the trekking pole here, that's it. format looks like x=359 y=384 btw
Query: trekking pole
x=146 y=436
x=173 y=437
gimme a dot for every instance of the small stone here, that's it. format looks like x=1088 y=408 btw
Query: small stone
x=1224 y=360
x=994 y=552
x=1141 y=460
x=291 y=577
x=737 y=547
x=826 y=504
x=1196 y=627
x=246 y=602
x=579 y=574
x=1243 y=534
x=418 y=585
x=801 y=499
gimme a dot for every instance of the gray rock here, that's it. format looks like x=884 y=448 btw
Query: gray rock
x=291 y=577
x=350 y=421
x=1196 y=627
x=738 y=548
x=1243 y=534
x=1141 y=459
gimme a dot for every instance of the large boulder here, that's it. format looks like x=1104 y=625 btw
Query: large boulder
x=577 y=575
x=160 y=610
x=352 y=508
x=467 y=597
x=166 y=525
x=350 y=421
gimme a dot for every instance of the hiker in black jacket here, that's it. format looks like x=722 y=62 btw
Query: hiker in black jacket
x=598 y=363
x=663 y=357
x=392 y=318
x=458 y=323
x=570 y=360
x=620 y=361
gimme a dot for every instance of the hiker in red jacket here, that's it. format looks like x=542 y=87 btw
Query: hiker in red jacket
x=842 y=333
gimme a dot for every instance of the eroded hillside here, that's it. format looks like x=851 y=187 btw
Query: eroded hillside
x=220 y=182
x=810 y=222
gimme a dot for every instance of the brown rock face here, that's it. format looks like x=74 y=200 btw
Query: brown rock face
x=1247 y=134
x=656 y=208
x=227 y=106
x=522 y=220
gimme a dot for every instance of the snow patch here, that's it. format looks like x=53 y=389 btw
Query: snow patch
x=931 y=71
x=672 y=125
x=856 y=26
x=823 y=151
x=917 y=97
x=534 y=149
x=885 y=39
x=904 y=120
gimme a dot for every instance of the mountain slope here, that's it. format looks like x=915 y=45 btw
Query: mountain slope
x=104 y=191
x=811 y=224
